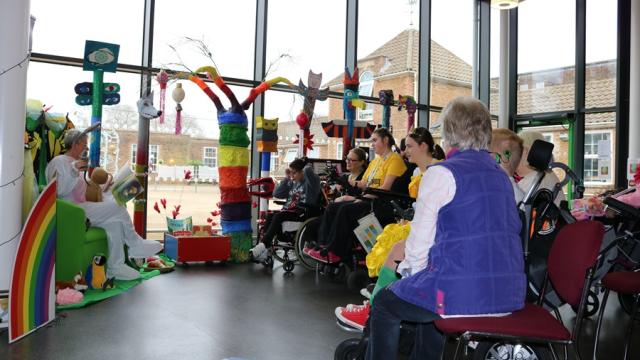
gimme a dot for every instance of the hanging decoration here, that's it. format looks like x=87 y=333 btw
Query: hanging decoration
x=233 y=158
x=162 y=78
x=349 y=129
x=409 y=103
x=267 y=142
x=386 y=100
x=178 y=96
x=310 y=94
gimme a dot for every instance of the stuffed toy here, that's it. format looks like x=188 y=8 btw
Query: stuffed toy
x=97 y=274
x=78 y=283
x=94 y=191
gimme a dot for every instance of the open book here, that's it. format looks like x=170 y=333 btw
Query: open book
x=367 y=231
x=125 y=185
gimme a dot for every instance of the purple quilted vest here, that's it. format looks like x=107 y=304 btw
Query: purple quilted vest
x=476 y=262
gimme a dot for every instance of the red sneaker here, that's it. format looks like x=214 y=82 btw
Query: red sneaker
x=354 y=315
x=330 y=258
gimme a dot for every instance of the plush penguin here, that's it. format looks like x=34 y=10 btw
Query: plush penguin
x=97 y=273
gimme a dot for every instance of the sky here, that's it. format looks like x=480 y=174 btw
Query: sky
x=310 y=35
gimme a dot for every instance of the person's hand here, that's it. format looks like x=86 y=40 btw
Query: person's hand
x=345 y=198
x=80 y=165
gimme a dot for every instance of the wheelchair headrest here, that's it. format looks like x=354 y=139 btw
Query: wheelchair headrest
x=540 y=155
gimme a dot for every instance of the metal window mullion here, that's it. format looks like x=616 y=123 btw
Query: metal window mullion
x=513 y=67
x=424 y=63
x=623 y=76
x=482 y=42
x=351 y=40
x=580 y=68
x=259 y=68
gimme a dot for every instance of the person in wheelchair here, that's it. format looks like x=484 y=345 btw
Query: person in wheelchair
x=335 y=235
x=527 y=174
x=356 y=165
x=301 y=188
x=507 y=148
x=463 y=255
x=422 y=151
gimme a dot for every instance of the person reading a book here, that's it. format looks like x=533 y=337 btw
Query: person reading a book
x=335 y=236
x=301 y=188
x=69 y=169
x=463 y=255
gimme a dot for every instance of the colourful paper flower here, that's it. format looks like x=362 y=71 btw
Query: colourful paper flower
x=174 y=213
x=156 y=207
x=187 y=174
x=209 y=220
x=254 y=204
x=164 y=203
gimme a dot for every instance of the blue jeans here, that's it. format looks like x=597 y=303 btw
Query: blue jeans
x=384 y=322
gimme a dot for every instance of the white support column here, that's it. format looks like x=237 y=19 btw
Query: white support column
x=503 y=87
x=14 y=50
x=634 y=83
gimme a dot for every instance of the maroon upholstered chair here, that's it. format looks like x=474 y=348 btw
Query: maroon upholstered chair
x=622 y=282
x=571 y=264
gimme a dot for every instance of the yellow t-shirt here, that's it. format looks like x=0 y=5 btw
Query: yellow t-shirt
x=380 y=167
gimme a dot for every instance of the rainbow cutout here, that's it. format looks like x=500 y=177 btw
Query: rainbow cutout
x=32 y=297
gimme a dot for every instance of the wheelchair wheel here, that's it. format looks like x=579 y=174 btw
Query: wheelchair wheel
x=284 y=254
x=487 y=350
x=268 y=262
x=288 y=266
x=357 y=279
x=593 y=304
x=349 y=350
x=304 y=236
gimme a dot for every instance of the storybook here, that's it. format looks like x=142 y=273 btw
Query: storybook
x=125 y=185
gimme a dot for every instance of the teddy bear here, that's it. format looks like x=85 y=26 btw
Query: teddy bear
x=99 y=176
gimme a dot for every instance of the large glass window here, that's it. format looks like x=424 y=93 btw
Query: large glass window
x=210 y=157
x=601 y=53
x=546 y=56
x=63 y=27
x=388 y=49
x=225 y=28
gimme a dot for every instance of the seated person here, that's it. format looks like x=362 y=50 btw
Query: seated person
x=335 y=236
x=528 y=174
x=113 y=218
x=356 y=164
x=422 y=151
x=401 y=184
x=506 y=146
x=465 y=212
x=301 y=188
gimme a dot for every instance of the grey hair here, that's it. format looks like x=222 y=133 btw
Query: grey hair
x=466 y=124
x=72 y=137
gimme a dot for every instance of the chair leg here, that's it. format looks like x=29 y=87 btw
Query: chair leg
x=553 y=351
x=599 y=324
x=444 y=345
x=630 y=328
x=455 y=355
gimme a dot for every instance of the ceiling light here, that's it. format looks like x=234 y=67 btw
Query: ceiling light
x=504 y=4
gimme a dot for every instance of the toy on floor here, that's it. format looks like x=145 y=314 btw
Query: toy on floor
x=78 y=283
x=97 y=274
x=156 y=263
x=68 y=296
x=94 y=190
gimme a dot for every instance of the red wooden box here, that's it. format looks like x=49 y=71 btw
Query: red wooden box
x=197 y=248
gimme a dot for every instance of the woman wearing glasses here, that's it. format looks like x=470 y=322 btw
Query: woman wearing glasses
x=336 y=237
x=356 y=165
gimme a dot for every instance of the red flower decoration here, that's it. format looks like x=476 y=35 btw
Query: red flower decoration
x=156 y=207
x=187 y=174
x=254 y=204
x=174 y=213
x=213 y=223
x=177 y=207
x=164 y=203
x=218 y=204
x=215 y=213
x=209 y=220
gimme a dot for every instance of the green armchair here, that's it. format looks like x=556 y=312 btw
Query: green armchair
x=76 y=245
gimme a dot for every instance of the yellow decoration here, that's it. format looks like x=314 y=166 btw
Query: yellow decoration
x=391 y=234
x=267 y=124
x=267 y=146
x=233 y=156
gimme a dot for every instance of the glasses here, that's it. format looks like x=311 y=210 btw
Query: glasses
x=502 y=157
x=351 y=160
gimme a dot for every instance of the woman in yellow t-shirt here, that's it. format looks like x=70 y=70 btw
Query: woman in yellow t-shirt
x=335 y=237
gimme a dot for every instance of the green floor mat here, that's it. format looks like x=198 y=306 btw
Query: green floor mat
x=93 y=296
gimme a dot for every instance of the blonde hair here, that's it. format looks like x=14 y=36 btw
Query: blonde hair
x=529 y=136
x=466 y=124
x=505 y=139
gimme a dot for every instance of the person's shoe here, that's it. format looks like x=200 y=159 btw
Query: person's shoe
x=324 y=256
x=365 y=292
x=122 y=272
x=259 y=253
x=353 y=315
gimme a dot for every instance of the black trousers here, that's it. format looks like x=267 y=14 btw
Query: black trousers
x=274 y=222
x=340 y=238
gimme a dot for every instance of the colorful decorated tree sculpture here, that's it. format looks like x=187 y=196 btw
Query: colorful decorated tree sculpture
x=233 y=158
x=350 y=129
x=310 y=94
